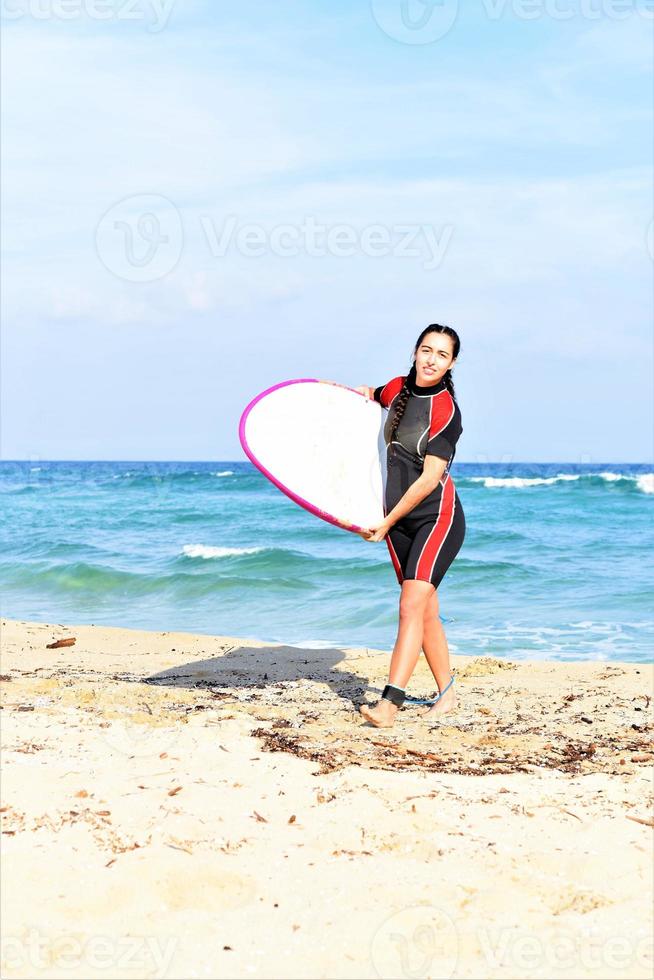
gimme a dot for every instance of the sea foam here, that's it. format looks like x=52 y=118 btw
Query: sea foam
x=207 y=551
x=521 y=481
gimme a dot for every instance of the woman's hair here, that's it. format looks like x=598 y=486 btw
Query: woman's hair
x=403 y=397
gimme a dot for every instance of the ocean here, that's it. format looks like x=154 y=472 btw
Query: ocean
x=556 y=564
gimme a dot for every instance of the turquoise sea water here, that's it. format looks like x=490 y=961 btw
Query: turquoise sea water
x=556 y=564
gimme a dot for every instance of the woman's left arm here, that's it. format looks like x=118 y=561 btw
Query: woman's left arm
x=433 y=470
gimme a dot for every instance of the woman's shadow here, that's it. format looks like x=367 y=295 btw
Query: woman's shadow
x=251 y=669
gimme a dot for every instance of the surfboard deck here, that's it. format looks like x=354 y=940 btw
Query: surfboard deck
x=322 y=444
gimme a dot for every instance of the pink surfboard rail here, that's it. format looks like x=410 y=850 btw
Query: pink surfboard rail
x=266 y=472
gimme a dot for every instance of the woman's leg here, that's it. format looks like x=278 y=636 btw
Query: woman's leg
x=413 y=602
x=437 y=655
x=414 y=599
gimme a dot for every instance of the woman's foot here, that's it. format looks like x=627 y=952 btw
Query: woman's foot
x=381 y=715
x=446 y=703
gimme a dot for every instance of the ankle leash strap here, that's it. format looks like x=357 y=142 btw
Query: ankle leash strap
x=394 y=694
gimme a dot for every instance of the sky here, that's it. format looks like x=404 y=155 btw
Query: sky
x=201 y=200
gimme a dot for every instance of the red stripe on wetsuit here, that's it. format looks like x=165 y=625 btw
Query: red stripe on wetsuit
x=441 y=413
x=437 y=535
x=395 y=559
x=390 y=390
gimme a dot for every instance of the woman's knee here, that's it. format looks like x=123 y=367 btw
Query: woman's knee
x=415 y=598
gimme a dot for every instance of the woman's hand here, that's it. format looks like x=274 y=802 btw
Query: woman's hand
x=377 y=532
x=366 y=391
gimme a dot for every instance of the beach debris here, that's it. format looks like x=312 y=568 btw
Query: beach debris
x=67 y=642
x=642 y=757
x=174 y=791
x=647 y=821
x=258 y=817
x=292 y=819
x=575 y=752
x=555 y=806
x=5 y=677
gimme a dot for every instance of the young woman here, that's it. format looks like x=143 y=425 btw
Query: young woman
x=424 y=524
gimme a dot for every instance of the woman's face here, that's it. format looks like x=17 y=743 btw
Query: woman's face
x=433 y=357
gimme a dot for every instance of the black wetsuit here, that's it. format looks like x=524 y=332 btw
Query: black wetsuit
x=424 y=543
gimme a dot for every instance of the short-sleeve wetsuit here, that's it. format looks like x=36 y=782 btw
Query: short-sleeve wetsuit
x=424 y=543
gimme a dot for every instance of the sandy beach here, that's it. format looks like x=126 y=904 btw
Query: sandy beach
x=180 y=805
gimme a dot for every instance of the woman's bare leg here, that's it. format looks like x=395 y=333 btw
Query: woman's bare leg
x=413 y=601
x=437 y=654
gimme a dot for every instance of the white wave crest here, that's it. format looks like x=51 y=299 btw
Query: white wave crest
x=644 y=482
x=207 y=551
x=224 y=473
x=522 y=481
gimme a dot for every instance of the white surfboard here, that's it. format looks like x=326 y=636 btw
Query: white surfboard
x=322 y=444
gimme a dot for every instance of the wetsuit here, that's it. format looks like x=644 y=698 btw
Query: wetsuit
x=424 y=543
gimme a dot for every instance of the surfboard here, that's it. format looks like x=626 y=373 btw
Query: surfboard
x=322 y=444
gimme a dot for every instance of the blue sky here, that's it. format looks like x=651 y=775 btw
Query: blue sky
x=204 y=199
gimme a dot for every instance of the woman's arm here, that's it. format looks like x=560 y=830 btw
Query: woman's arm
x=367 y=391
x=433 y=470
x=427 y=482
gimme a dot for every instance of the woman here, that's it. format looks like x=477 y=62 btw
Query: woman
x=424 y=523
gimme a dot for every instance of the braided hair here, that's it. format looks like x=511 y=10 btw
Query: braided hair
x=403 y=397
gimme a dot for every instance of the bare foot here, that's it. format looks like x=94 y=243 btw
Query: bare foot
x=381 y=715
x=445 y=704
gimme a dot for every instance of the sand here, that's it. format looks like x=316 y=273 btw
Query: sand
x=178 y=805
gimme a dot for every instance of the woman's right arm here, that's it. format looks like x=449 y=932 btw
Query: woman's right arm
x=365 y=390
